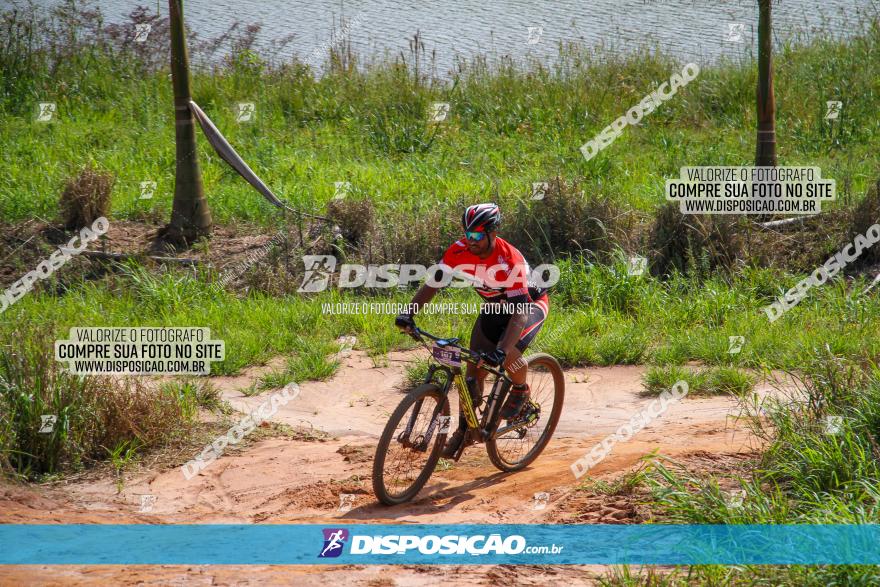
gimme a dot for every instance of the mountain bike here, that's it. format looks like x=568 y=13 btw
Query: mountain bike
x=413 y=439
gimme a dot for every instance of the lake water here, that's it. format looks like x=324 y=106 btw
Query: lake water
x=694 y=30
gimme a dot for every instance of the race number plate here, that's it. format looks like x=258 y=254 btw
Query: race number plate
x=451 y=357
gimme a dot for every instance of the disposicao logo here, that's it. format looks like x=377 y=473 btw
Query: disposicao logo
x=334 y=541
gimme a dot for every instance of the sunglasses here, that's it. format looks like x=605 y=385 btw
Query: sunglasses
x=474 y=236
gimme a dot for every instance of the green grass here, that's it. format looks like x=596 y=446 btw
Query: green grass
x=664 y=323
x=311 y=362
x=507 y=127
x=194 y=393
x=626 y=484
x=809 y=473
x=710 y=381
x=793 y=576
x=416 y=372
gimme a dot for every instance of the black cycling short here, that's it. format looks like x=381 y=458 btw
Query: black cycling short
x=493 y=322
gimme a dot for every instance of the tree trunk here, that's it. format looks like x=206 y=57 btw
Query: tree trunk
x=765 y=154
x=190 y=216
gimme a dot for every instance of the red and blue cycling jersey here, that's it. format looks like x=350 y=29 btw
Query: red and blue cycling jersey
x=504 y=276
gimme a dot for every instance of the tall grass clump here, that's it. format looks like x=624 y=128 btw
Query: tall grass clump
x=865 y=214
x=94 y=415
x=86 y=197
x=688 y=243
x=825 y=449
x=820 y=465
x=568 y=222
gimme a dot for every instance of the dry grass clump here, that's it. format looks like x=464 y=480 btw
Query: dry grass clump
x=567 y=221
x=96 y=417
x=86 y=197
x=865 y=214
x=692 y=243
x=355 y=218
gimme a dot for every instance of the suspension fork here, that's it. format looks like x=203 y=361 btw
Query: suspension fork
x=404 y=436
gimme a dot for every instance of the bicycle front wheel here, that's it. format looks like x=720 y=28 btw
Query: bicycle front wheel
x=410 y=445
x=523 y=443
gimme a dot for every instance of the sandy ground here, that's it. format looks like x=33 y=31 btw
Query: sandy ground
x=280 y=480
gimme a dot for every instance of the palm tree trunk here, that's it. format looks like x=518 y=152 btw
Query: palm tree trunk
x=765 y=154
x=190 y=216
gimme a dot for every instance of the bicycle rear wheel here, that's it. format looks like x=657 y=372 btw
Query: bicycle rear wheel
x=410 y=445
x=515 y=449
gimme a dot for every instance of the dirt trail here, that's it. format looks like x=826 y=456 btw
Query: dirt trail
x=281 y=480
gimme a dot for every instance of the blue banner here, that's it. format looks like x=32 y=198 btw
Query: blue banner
x=645 y=544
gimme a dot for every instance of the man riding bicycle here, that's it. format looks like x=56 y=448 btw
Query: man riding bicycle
x=508 y=322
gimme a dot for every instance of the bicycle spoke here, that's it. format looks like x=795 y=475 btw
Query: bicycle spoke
x=513 y=446
x=403 y=464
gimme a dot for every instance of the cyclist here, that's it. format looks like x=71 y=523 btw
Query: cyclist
x=507 y=324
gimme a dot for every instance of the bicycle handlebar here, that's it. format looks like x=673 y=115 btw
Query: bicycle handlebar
x=472 y=356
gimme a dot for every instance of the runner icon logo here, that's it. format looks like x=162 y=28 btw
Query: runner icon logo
x=318 y=271
x=334 y=541
x=141 y=31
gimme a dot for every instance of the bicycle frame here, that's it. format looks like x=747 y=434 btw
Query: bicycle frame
x=454 y=375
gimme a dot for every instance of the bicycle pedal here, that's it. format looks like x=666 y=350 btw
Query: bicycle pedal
x=528 y=415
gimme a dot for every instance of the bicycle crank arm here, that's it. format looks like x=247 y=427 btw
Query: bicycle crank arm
x=466 y=442
x=532 y=413
x=511 y=428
